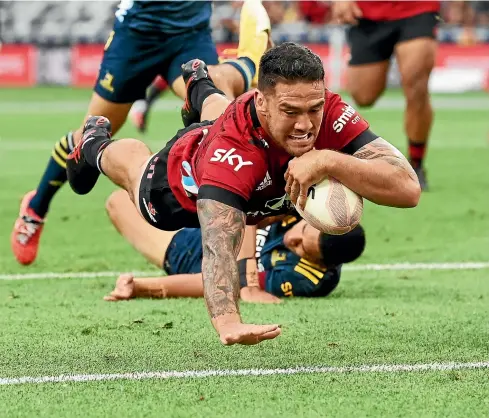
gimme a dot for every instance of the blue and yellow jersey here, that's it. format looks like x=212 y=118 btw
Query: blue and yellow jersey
x=285 y=273
x=165 y=17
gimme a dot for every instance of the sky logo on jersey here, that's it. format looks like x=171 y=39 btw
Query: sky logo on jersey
x=344 y=118
x=188 y=181
x=222 y=156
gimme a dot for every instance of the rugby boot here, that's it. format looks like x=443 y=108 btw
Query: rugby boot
x=421 y=173
x=139 y=115
x=26 y=233
x=192 y=71
x=81 y=175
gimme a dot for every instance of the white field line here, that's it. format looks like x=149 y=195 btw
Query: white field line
x=199 y=374
x=173 y=105
x=153 y=273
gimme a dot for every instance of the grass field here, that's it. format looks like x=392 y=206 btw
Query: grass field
x=426 y=324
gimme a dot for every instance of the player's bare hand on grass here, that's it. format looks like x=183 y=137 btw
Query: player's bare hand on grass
x=253 y=294
x=124 y=288
x=302 y=173
x=346 y=12
x=247 y=334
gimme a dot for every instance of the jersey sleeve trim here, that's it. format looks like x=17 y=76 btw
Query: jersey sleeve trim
x=359 y=141
x=223 y=196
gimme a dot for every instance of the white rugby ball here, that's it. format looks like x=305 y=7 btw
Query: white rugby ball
x=332 y=207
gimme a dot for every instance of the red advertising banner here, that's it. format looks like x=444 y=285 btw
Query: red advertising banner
x=85 y=64
x=18 y=65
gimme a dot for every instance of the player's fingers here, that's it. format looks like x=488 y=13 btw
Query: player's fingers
x=294 y=191
x=288 y=185
x=286 y=175
x=110 y=298
x=270 y=335
x=263 y=329
x=301 y=201
x=229 y=339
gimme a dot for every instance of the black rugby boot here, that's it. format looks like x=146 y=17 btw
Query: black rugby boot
x=81 y=164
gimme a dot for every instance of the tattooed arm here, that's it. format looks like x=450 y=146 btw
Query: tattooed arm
x=223 y=230
x=379 y=172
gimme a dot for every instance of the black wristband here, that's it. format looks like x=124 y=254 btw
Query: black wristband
x=243 y=281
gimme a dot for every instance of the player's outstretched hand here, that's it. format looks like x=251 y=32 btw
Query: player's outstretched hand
x=302 y=173
x=253 y=294
x=247 y=334
x=124 y=288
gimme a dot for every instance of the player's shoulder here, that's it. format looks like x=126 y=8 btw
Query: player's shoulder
x=332 y=101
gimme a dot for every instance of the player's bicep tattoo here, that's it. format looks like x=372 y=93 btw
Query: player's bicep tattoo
x=223 y=230
x=380 y=148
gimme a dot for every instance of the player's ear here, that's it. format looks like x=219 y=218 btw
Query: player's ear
x=260 y=102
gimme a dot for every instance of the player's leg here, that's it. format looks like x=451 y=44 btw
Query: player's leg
x=232 y=76
x=152 y=243
x=121 y=161
x=121 y=81
x=415 y=54
x=371 y=46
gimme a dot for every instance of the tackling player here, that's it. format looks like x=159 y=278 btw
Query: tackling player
x=149 y=38
x=294 y=259
x=241 y=168
x=380 y=29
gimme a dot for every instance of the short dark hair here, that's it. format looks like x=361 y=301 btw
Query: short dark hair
x=340 y=249
x=289 y=62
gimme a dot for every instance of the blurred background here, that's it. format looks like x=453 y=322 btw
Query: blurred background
x=53 y=42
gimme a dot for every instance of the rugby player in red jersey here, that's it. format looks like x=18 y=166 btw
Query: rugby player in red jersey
x=266 y=146
x=380 y=29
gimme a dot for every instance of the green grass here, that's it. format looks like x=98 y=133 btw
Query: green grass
x=62 y=326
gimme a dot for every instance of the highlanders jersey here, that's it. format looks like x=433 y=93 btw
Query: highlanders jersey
x=283 y=273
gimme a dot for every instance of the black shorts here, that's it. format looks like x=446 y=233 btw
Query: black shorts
x=374 y=41
x=157 y=203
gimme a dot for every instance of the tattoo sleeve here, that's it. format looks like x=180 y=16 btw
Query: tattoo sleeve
x=223 y=229
x=380 y=148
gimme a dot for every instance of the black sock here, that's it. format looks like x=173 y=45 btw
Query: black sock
x=201 y=90
x=93 y=148
x=417 y=151
x=54 y=176
x=155 y=89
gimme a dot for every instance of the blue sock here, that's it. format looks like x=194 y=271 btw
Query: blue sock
x=54 y=176
x=246 y=68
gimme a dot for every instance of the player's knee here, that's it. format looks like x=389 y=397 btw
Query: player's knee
x=114 y=204
x=364 y=98
x=340 y=249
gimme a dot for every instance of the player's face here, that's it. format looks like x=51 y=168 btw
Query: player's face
x=293 y=114
x=303 y=240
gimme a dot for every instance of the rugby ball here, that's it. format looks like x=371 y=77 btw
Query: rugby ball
x=332 y=207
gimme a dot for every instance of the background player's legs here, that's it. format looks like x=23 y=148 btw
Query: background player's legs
x=152 y=243
x=234 y=76
x=416 y=59
x=35 y=204
x=366 y=82
x=122 y=79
